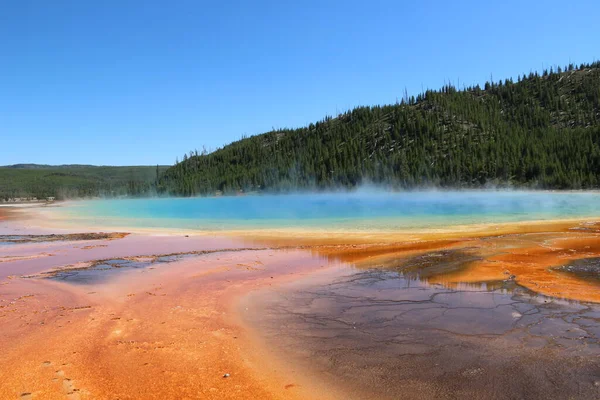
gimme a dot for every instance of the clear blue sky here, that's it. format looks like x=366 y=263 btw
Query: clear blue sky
x=140 y=82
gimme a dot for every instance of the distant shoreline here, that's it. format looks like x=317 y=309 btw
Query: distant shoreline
x=26 y=204
x=351 y=191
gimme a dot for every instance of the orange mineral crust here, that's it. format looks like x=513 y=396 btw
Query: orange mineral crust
x=150 y=316
x=164 y=332
x=529 y=255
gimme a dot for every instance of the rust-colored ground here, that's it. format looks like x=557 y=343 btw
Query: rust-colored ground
x=4 y=213
x=174 y=331
x=528 y=255
x=168 y=333
x=525 y=252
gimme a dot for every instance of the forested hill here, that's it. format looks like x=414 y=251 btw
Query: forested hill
x=76 y=181
x=540 y=131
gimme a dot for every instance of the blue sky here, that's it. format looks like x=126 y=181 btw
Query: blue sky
x=140 y=82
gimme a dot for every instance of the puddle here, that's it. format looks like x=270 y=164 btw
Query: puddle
x=433 y=264
x=102 y=271
x=105 y=270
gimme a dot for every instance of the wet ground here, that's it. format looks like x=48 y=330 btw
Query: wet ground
x=168 y=316
x=20 y=239
x=102 y=271
x=387 y=334
x=586 y=268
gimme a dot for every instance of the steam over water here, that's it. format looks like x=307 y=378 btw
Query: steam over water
x=357 y=210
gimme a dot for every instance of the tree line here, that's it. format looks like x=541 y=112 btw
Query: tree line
x=77 y=181
x=540 y=131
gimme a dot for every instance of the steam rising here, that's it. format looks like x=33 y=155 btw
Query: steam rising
x=367 y=208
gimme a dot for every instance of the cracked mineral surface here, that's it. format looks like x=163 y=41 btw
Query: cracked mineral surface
x=384 y=334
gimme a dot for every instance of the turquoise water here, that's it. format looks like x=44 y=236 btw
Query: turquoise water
x=344 y=211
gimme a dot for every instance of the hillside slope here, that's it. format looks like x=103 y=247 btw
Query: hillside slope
x=76 y=181
x=541 y=131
